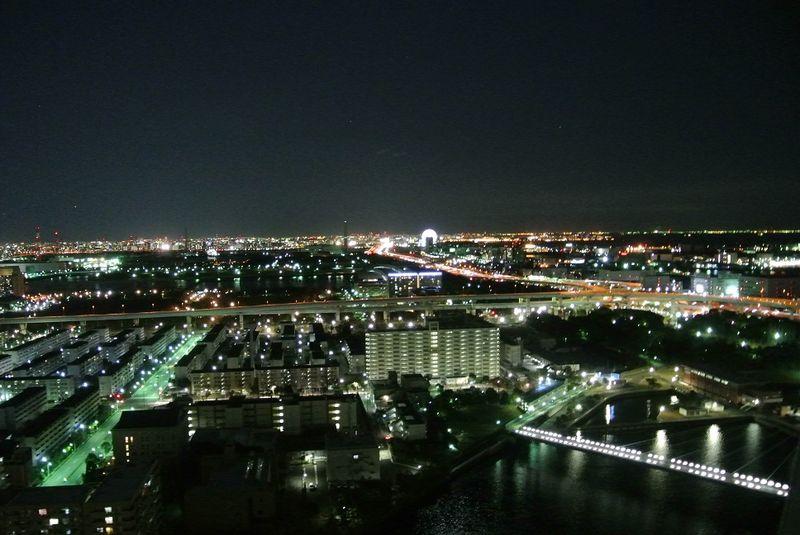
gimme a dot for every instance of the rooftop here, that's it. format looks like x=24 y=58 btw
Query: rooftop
x=190 y=356
x=122 y=484
x=110 y=367
x=454 y=322
x=88 y=334
x=35 y=341
x=80 y=395
x=341 y=441
x=162 y=417
x=213 y=333
x=23 y=396
x=94 y=352
x=54 y=354
x=49 y=496
x=237 y=401
x=42 y=422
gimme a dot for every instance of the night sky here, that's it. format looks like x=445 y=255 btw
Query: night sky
x=134 y=118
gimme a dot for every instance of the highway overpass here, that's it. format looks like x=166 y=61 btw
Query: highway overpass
x=431 y=303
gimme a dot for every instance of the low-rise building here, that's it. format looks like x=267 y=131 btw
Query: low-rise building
x=352 y=458
x=159 y=341
x=41 y=365
x=82 y=406
x=728 y=385
x=51 y=429
x=218 y=382
x=23 y=407
x=114 y=376
x=57 y=510
x=58 y=387
x=240 y=486
x=147 y=435
x=305 y=379
x=38 y=346
x=45 y=433
x=76 y=349
x=724 y=284
x=408 y=425
x=511 y=352
x=215 y=336
x=292 y=415
x=661 y=282
x=194 y=360
x=94 y=337
x=127 y=501
x=780 y=284
x=7 y=363
x=116 y=347
x=87 y=364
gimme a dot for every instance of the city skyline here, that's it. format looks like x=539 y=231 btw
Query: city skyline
x=400 y=267
x=588 y=367
x=41 y=236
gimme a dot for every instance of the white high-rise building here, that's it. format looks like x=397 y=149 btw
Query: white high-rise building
x=441 y=349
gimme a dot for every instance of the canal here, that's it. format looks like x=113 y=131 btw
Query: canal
x=542 y=488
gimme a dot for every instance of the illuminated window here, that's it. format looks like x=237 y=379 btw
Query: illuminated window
x=53 y=521
x=109 y=520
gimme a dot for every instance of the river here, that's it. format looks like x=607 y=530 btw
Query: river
x=542 y=488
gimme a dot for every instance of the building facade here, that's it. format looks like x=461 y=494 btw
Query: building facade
x=436 y=351
x=292 y=415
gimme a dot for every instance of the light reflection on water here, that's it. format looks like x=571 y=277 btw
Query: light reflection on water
x=546 y=489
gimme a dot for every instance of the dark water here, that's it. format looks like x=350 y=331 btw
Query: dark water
x=630 y=410
x=541 y=488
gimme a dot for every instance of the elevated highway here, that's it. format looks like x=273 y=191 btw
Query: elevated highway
x=525 y=301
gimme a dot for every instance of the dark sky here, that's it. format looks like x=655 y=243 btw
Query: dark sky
x=134 y=118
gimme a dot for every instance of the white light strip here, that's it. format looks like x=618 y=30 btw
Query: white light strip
x=653 y=459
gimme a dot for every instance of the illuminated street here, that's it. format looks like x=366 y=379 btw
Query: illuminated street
x=70 y=471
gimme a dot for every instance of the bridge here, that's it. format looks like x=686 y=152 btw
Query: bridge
x=549 y=405
x=711 y=473
x=380 y=305
x=524 y=301
x=590 y=286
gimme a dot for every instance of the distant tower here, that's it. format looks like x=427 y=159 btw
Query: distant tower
x=428 y=238
x=345 y=237
x=37 y=234
x=185 y=240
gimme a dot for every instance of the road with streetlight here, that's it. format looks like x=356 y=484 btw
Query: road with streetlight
x=70 y=471
x=548 y=404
